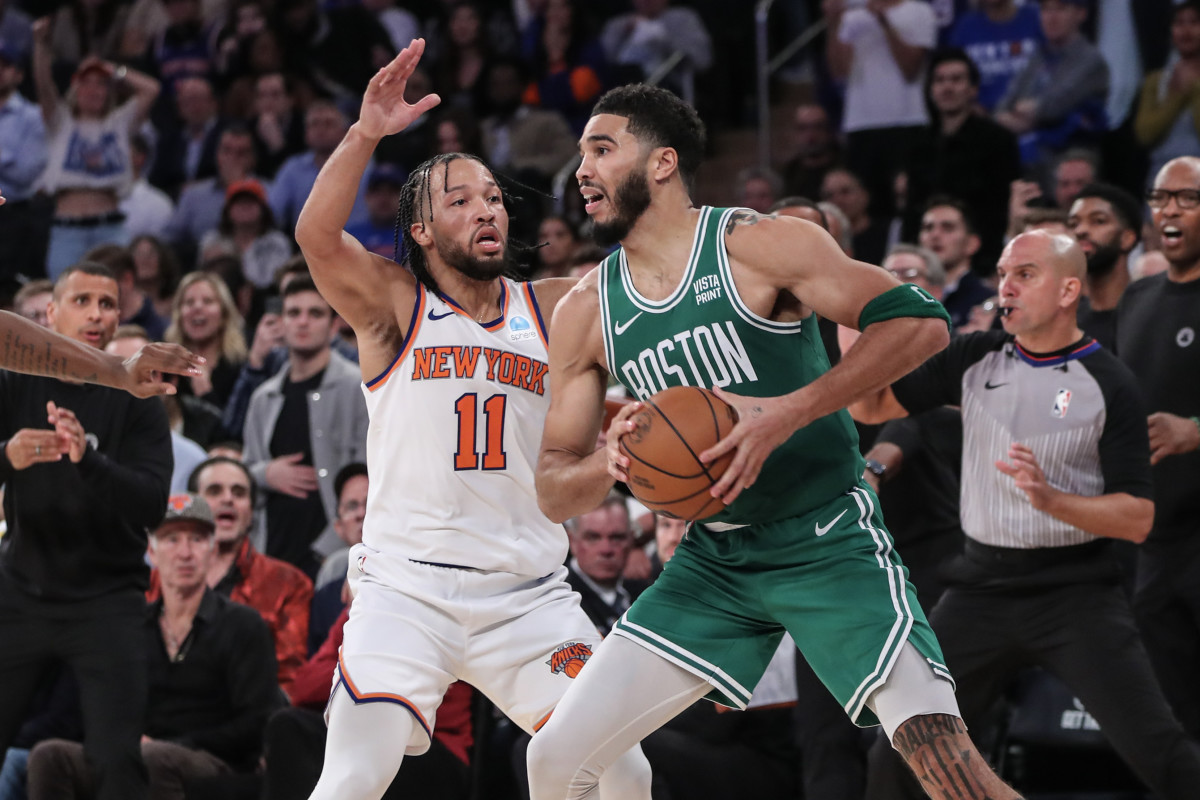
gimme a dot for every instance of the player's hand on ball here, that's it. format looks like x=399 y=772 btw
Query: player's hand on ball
x=622 y=424
x=764 y=423
x=384 y=109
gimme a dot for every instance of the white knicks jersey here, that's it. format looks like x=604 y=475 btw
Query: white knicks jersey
x=456 y=424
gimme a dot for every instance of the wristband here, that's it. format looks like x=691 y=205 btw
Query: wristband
x=902 y=301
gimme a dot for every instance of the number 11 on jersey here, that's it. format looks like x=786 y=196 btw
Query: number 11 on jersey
x=467 y=456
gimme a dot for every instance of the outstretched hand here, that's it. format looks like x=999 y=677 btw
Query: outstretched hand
x=144 y=369
x=384 y=109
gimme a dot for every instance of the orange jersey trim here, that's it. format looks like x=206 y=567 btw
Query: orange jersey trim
x=379 y=697
x=495 y=324
x=414 y=326
x=537 y=314
x=541 y=722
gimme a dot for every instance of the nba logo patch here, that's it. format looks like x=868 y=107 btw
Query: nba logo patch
x=569 y=658
x=1061 y=401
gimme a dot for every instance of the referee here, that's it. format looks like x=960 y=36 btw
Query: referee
x=87 y=470
x=1055 y=466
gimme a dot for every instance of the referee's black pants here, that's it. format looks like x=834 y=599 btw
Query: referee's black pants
x=1062 y=609
x=103 y=642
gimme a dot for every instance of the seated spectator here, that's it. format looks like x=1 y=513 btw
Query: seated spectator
x=135 y=305
x=324 y=127
x=295 y=738
x=649 y=34
x=999 y=36
x=961 y=153
x=279 y=592
x=186 y=47
x=758 y=188
x=462 y=58
x=201 y=203
x=16 y=28
x=1058 y=98
x=31 y=300
x=879 y=51
x=205 y=320
x=529 y=143
x=557 y=242
x=600 y=543
x=89 y=165
x=838 y=226
x=455 y=130
x=278 y=126
x=211 y=674
x=249 y=225
x=378 y=232
x=350 y=488
x=1074 y=170
x=157 y=271
x=1167 y=122
x=568 y=66
x=948 y=231
x=402 y=26
x=148 y=210
x=302 y=426
x=24 y=156
x=187 y=151
x=816 y=151
x=337 y=49
x=1052 y=220
x=843 y=188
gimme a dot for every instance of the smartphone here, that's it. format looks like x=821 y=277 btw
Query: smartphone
x=274 y=305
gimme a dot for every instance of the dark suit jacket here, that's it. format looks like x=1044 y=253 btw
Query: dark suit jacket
x=602 y=615
x=169 y=172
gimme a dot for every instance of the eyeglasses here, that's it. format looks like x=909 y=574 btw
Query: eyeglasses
x=350 y=507
x=1184 y=198
x=908 y=274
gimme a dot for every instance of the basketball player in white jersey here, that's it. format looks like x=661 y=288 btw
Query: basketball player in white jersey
x=459 y=575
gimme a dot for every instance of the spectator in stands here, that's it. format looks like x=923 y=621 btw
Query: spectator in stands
x=83 y=28
x=295 y=739
x=568 y=64
x=816 y=149
x=32 y=299
x=278 y=127
x=279 y=592
x=838 y=226
x=147 y=210
x=1157 y=322
x=402 y=26
x=529 y=143
x=1058 y=98
x=949 y=232
x=651 y=33
x=16 y=28
x=337 y=48
x=303 y=425
x=86 y=470
x=350 y=489
x=243 y=20
x=88 y=140
x=1074 y=170
x=455 y=130
x=557 y=242
x=248 y=224
x=186 y=47
x=157 y=271
x=187 y=152
x=1107 y=222
x=1167 y=122
x=844 y=189
x=462 y=58
x=1039 y=522
x=999 y=36
x=601 y=541
x=377 y=232
x=211 y=674
x=205 y=321
x=136 y=307
x=961 y=153
x=324 y=127
x=879 y=50
x=201 y=203
x=23 y=156
x=758 y=188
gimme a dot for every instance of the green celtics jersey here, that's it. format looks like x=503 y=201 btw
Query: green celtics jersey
x=704 y=335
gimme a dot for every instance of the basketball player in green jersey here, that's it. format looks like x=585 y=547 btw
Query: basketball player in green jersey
x=725 y=298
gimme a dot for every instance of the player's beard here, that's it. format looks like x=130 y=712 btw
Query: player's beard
x=630 y=201
x=1102 y=260
x=473 y=267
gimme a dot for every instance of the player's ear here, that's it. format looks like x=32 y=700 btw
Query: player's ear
x=664 y=162
x=420 y=234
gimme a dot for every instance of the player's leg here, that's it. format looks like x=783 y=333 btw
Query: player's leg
x=364 y=748
x=625 y=693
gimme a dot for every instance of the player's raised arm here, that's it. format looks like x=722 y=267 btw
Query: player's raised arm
x=572 y=476
x=348 y=275
x=27 y=347
x=901 y=327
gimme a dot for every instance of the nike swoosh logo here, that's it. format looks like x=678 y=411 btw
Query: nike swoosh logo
x=621 y=328
x=436 y=317
x=824 y=529
x=990 y=385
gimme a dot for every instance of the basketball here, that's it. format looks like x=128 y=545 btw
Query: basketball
x=673 y=428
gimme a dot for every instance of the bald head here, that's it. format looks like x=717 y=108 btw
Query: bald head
x=1184 y=167
x=1051 y=250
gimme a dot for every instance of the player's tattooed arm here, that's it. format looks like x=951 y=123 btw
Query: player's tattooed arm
x=938 y=750
x=745 y=217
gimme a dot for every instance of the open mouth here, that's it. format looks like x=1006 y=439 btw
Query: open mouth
x=1171 y=234
x=226 y=518
x=488 y=240
x=591 y=198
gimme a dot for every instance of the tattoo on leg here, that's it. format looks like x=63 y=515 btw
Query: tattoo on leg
x=945 y=761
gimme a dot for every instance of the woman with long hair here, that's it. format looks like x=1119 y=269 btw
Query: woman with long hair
x=157 y=271
x=205 y=320
x=90 y=166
